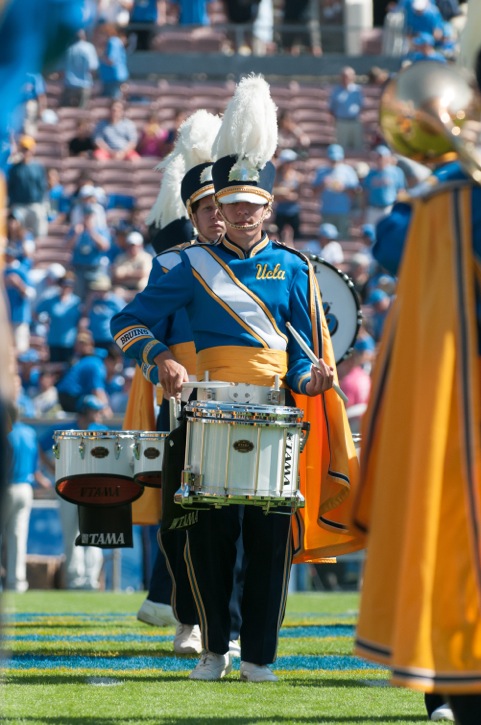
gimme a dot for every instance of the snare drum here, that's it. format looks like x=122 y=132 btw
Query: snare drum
x=341 y=304
x=95 y=468
x=245 y=454
x=148 y=457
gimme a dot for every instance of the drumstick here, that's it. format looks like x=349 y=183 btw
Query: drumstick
x=313 y=358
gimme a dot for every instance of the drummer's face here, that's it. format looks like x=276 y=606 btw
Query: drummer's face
x=207 y=220
x=244 y=215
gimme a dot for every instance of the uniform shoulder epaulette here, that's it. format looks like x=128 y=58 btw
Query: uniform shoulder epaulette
x=279 y=245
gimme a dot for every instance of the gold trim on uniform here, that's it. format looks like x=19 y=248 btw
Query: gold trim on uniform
x=243 y=188
x=206 y=190
x=147 y=349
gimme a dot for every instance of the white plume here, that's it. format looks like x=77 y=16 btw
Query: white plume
x=169 y=205
x=249 y=126
x=196 y=136
x=193 y=146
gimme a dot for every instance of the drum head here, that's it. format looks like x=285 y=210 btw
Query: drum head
x=341 y=304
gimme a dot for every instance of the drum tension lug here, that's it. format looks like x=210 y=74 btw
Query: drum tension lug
x=192 y=480
x=274 y=397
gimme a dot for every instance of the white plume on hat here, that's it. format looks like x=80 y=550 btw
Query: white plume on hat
x=470 y=39
x=195 y=138
x=169 y=205
x=193 y=146
x=249 y=126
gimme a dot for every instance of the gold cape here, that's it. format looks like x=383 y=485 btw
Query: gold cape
x=419 y=501
x=328 y=467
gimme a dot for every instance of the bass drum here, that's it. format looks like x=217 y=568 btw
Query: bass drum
x=341 y=304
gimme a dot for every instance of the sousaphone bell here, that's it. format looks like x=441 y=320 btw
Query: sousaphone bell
x=431 y=112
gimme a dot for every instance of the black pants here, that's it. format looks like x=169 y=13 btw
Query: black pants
x=171 y=557
x=466 y=709
x=211 y=556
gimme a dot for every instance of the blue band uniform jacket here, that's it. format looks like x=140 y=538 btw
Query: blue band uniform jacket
x=238 y=304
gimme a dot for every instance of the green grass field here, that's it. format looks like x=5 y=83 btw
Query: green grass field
x=83 y=659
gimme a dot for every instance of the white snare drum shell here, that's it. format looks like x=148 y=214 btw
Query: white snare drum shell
x=95 y=467
x=248 y=451
x=148 y=458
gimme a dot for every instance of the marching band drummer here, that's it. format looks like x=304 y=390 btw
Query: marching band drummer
x=239 y=295
x=194 y=192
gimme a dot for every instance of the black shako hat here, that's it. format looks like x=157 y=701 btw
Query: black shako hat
x=196 y=184
x=238 y=180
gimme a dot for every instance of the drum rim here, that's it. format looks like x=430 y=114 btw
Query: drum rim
x=249 y=407
x=92 y=434
x=264 y=418
x=357 y=300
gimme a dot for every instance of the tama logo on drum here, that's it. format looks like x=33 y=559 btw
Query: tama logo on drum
x=243 y=446
x=100 y=492
x=288 y=460
x=109 y=539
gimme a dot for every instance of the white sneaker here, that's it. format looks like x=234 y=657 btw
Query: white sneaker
x=249 y=672
x=212 y=667
x=188 y=639
x=160 y=615
x=442 y=713
x=234 y=648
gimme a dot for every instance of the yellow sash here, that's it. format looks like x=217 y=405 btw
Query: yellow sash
x=242 y=365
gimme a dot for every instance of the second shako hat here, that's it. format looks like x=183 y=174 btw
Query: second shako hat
x=245 y=145
x=196 y=184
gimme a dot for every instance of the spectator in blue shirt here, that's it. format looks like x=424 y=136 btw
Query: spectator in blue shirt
x=80 y=63
x=27 y=186
x=17 y=503
x=90 y=247
x=345 y=104
x=422 y=16
x=87 y=376
x=423 y=49
x=33 y=102
x=103 y=305
x=337 y=182
x=116 y=137
x=20 y=293
x=147 y=13
x=113 y=70
x=192 y=12
x=62 y=312
x=382 y=185
x=20 y=239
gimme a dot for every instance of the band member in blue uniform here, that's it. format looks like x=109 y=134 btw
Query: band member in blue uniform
x=184 y=206
x=239 y=295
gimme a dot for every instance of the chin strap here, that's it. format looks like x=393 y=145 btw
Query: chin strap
x=248 y=227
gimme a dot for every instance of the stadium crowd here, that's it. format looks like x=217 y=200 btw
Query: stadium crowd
x=61 y=298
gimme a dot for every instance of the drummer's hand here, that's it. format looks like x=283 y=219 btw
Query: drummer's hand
x=171 y=374
x=322 y=378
